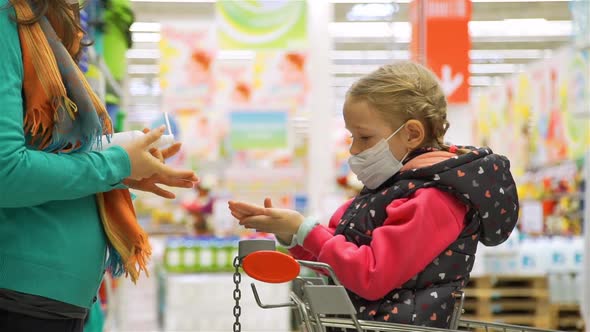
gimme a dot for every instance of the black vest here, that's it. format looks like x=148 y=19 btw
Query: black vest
x=482 y=181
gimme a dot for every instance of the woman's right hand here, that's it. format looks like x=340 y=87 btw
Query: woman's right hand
x=145 y=165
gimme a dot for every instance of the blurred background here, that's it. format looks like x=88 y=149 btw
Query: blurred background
x=254 y=90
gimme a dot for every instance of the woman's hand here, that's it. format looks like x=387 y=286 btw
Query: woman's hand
x=282 y=222
x=148 y=169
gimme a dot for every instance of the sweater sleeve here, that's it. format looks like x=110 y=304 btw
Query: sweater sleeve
x=417 y=229
x=30 y=177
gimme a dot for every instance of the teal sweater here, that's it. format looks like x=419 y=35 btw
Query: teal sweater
x=52 y=242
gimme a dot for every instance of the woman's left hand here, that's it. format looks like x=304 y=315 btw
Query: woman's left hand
x=151 y=184
x=266 y=218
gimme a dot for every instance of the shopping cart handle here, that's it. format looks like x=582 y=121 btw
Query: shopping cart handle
x=269 y=306
x=271 y=266
x=323 y=266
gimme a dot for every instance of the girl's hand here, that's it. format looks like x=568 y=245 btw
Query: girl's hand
x=282 y=222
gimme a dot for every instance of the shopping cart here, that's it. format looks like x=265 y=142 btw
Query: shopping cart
x=321 y=305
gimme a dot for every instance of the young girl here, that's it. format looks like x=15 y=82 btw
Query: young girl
x=408 y=240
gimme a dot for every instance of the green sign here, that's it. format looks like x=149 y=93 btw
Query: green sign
x=262 y=24
x=258 y=130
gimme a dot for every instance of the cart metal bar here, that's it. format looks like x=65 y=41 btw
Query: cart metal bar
x=323 y=266
x=302 y=311
x=346 y=323
x=378 y=326
x=299 y=282
x=269 y=306
x=465 y=323
x=459 y=297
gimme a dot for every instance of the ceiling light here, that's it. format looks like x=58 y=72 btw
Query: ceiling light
x=145 y=27
x=372 y=12
x=146 y=37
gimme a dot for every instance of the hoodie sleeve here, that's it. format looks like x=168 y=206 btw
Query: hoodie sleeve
x=301 y=253
x=417 y=229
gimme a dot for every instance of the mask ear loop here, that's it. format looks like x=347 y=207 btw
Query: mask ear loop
x=405 y=156
x=395 y=132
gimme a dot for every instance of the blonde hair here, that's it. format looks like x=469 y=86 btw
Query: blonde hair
x=404 y=91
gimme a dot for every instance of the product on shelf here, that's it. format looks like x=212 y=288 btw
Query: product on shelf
x=559 y=190
x=204 y=254
x=200 y=254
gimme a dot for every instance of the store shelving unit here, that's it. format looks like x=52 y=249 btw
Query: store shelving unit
x=517 y=300
x=521 y=300
x=566 y=317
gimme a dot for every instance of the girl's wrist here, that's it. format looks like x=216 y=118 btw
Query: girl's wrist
x=286 y=240
x=298 y=221
x=307 y=225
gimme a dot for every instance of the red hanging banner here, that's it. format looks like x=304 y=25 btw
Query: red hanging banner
x=441 y=41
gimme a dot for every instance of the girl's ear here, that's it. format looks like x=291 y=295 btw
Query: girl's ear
x=414 y=134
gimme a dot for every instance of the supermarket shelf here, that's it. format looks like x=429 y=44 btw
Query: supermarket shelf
x=566 y=316
x=567 y=306
x=520 y=300
x=495 y=279
x=508 y=319
x=571 y=322
x=517 y=299
x=517 y=286
x=503 y=305
x=508 y=292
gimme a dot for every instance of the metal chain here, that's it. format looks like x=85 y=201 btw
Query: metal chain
x=237 y=295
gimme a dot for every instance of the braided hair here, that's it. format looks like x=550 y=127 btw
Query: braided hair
x=404 y=91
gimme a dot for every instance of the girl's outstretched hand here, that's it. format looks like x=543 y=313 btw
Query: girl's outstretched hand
x=265 y=218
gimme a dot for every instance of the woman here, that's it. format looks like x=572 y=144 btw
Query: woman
x=65 y=210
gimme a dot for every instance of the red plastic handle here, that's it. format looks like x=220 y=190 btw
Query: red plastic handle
x=271 y=266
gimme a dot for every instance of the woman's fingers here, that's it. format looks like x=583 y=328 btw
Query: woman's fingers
x=171 y=150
